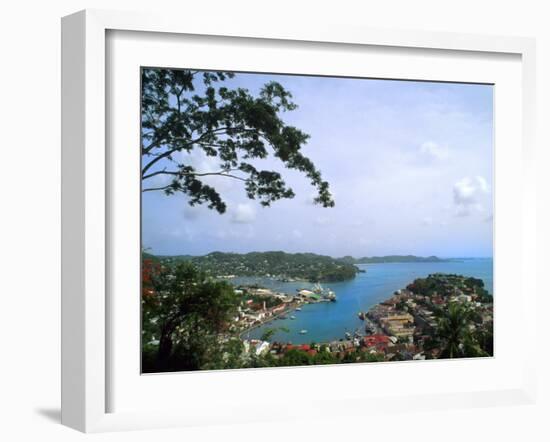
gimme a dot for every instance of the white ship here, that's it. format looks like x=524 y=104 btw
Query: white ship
x=328 y=294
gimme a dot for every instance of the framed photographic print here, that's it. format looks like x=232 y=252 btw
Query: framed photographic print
x=247 y=264
x=298 y=211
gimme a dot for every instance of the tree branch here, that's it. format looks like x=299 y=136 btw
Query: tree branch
x=150 y=189
x=160 y=172
x=182 y=174
x=169 y=152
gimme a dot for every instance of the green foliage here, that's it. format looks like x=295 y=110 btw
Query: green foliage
x=268 y=334
x=295 y=357
x=446 y=284
x=305 y=266
x=324 y=357
x=372 y=357
x=455 y=335
x=183 y=110
x=484 y=336
x=428 y=286
x=402 y=305
x=183 y=318
x=484 y=296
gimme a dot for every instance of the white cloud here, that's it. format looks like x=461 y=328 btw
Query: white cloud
x=434 y=150
x=203 y=163
x=243 y=214
x=467 y=194
x=398 y=168
x=482 y=182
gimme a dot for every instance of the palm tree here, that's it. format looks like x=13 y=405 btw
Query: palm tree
x=454 y=333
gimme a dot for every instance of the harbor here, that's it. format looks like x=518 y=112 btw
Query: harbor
x=405 y=326
x=289 y=306
x=330 y=321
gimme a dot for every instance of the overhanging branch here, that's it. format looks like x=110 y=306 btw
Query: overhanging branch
x=184 y=174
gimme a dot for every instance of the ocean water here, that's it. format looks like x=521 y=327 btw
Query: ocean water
x=329 y=321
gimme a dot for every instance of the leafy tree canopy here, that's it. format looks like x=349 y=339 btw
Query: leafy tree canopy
x=183 y=110
x=185 y=312
x=455 y=334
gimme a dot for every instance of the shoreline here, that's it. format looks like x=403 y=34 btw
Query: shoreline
x=403 y=326
x=368 y=298
x=268 y=320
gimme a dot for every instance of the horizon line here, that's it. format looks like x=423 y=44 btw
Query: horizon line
x=323 y=254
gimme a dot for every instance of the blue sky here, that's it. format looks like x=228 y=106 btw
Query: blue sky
x=409 y=164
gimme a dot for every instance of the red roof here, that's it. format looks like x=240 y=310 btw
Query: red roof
x=375 y=340
x=303 y=347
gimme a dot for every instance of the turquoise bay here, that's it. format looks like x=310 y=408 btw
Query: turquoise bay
x=330 y=321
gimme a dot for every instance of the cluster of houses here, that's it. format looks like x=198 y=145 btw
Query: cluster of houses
x=386 y=347
x=410 y=314
x=399 y=328
x=260 y=305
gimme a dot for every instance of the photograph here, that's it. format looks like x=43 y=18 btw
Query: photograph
x=293 y=220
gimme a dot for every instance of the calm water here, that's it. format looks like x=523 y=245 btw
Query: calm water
x=329 y=321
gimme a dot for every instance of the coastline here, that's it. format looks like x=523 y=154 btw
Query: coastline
x=403 y=326
x=268 y=320
x=330 y=322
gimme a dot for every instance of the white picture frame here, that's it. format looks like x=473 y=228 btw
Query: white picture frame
x=85 y=211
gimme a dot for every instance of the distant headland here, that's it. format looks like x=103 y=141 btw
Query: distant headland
x=392 y=258
x=286 y=266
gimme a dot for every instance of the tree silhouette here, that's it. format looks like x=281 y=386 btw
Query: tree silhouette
x=185 y=110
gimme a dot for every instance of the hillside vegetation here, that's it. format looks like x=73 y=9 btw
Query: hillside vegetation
x=297 y=266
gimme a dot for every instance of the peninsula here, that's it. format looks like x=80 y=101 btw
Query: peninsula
x=307 y=267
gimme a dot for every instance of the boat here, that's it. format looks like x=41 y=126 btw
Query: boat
x=293 y=317
x=348 y=335
x=361 y=316
x=318 y=289
x=327 y=294
x=303 y=332
x=298 y=309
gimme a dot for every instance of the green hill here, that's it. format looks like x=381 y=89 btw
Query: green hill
x=294 y=266
x=278 y=264
x=395 y=258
